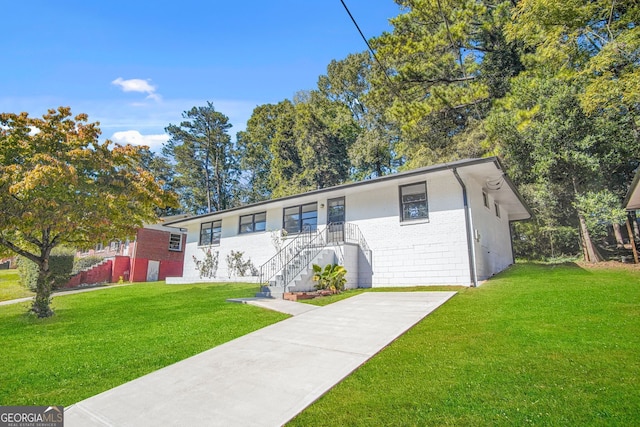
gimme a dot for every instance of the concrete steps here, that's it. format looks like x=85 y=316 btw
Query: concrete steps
x=303 y=281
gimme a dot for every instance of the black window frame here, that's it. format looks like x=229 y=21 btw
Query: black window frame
x=253 y=223
x=485 y=199
x=496 y=207
x=402 y=201
x=172 y=242
x=300 y=220
x=214 y=237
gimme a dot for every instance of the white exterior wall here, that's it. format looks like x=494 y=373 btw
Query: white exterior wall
x=410 y=253
x=351 y=260
x=257 y=246
x=492 y=237
x=430 y=252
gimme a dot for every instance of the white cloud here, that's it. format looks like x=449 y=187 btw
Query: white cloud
x=116 y=116
x=137 y=85
x=133 y=137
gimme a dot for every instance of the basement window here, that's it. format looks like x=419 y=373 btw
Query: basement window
x=175 y=242
x=413 y=202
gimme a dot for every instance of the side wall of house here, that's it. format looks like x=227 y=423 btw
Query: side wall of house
x=493 y=247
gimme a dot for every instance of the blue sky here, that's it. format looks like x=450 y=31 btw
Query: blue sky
x=135 y=66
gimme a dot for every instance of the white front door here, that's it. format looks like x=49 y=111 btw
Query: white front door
x=153 y=268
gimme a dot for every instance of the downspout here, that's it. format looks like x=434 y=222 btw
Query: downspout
x=513 y=251
x=467 y=219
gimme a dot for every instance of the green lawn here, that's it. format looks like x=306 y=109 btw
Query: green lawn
x=98 y=340
x=10 y=287
x=537 y=345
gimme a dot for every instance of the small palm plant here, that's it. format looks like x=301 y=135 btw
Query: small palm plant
x=331 y=277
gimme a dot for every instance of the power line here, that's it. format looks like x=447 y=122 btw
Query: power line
x=384 y=70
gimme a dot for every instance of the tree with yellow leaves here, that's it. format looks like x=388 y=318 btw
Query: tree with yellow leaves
x=60 y=186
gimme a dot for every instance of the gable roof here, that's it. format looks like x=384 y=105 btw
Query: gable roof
x=508 y=195
x=632 y=201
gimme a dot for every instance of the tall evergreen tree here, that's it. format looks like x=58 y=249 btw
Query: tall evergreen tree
x=324 y=131
x=348 y=81
x=205 y=159
x=447 y=59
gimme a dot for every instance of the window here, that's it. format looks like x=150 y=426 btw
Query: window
x=210 y=233
x=485 y=199
x=413 y=202
x=253 y=223
x=175 y=242
x=497 y=209
x=301 y=218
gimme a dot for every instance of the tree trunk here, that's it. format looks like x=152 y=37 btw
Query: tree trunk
x=589 y=249
x=617 y=232
x=632 y=239
x=41 y=303
x=208 y=180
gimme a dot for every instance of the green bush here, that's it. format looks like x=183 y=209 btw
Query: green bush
x=28 y=271
x=84 y=263
x=236 y=265
x=60 y=266
x=332 y=277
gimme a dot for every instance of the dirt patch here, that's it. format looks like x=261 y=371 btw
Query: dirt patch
x=610 y=265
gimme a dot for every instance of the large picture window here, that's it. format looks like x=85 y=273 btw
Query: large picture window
x=413 y=202
x=253 y=223
x=210 y=233
x=301 y=218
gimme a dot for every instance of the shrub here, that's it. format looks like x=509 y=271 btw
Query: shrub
x=80 y=264
x=60 y=267
x=332 y=277
x=208 y=267
x=238 y=266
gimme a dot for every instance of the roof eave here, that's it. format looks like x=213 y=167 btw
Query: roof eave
x=427 y=169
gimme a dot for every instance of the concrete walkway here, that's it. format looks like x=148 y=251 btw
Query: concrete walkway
x=281 y=305
x=266 y=377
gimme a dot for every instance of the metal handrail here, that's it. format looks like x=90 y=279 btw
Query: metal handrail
x=298 y=254
x=286 y=255
x=348 y=233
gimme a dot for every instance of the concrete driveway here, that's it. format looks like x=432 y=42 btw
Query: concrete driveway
x=266 y=377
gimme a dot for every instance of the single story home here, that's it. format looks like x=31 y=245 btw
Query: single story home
x=447 y=224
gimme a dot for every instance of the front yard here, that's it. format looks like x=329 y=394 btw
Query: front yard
x=10 y=287
x=537 y=345
x=98 y=340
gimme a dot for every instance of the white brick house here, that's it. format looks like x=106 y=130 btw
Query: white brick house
x=443 y=224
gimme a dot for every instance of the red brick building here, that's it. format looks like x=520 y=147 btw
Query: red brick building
x=156 y=255
x=157 y=252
